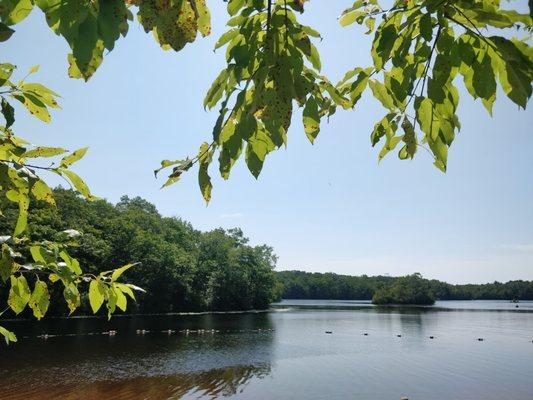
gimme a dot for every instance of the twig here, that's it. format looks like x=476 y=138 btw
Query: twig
x=28 y=165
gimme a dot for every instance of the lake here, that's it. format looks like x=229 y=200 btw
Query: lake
x=281 y=354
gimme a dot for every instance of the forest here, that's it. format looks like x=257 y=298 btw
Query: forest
x=307 y=285
x=180 y=268
x=183 y=269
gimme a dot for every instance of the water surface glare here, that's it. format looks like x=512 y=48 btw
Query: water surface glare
x=371 y=353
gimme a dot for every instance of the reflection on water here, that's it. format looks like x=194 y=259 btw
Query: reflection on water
x=428 y=353
x=221 y=382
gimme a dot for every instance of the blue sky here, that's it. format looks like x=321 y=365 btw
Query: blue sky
x=323 y=207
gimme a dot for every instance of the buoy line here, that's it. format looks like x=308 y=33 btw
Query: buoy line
x=186 y=332
x=113 y=332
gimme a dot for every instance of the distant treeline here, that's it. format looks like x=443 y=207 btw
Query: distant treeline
x=182 y=268
x=307 y=285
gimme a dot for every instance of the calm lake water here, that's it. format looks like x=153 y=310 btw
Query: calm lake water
x=281 y=354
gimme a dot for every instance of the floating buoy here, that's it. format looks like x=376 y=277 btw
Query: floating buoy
x=480 y=339
x=432 y=337
x=365 y=334
x=399 y=335
x=330 y=332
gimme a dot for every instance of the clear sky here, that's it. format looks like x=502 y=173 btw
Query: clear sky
x=327 y=207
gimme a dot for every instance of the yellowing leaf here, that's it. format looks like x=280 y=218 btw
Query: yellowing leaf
x=311 y=119
x=73 y=157
x=33 y=69
x=40 y=299
x=97 y=291
x=119 y=271
x=19 y=294
x=14 y=11
x=78 y=183
x=41 y=191
x=8 y=335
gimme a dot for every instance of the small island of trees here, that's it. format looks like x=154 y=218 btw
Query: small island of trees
x=410 y=289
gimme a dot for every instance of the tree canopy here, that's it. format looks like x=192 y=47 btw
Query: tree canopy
x=180 y=268
x=420 y=50
x=410 y=289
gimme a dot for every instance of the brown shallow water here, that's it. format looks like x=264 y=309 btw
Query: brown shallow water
x=283 y=354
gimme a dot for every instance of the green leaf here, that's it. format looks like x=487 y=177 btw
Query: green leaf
x=111 y=302
x=259 y=145
x=383 y=44
x=42 y=93
x=409 y=138
x=73 y=157
x=315 y=58
x=72 y=296
x=14 y=11
x=6 y=70
x=119 y=271
x=515 y=69
x=22 y=221
x=226 y=37
x=40 y=299
x=203 y=17
x=385 y=127
x=43 y=152
x=41 y=255
x=358 y=86
x=89 y=67
x=390 y=144
x=5 y=34
x=204 y=157
x=41 y=191
x=121 y=300
x=8 y=335
x=19 y=294
x=34 y=105
x=72 y=264
x=311 y=119
x=125 y=289
x=8 y=112
x=426 y=27
x=7 y=265
x=112 y=16
x=234 y=6
x=78 y=183
x=424 y=113
x=483 y=80
x=97 y=292
x=215 y=91
x=349 y=17
x=381 y=93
